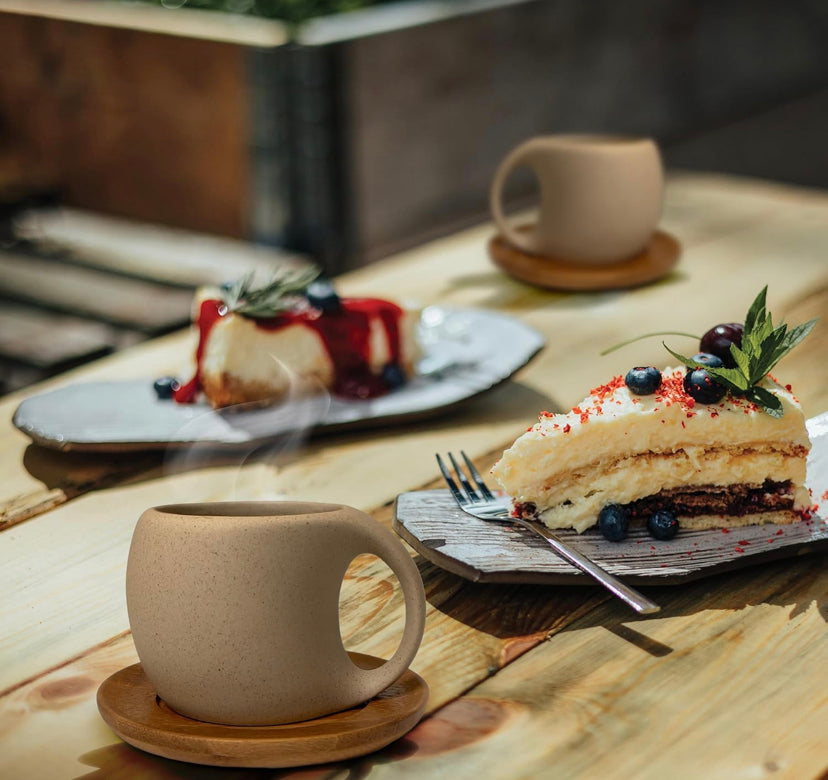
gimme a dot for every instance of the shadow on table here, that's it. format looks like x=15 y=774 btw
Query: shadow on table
x=508 y=294
x=122 y=762
x=521 y=616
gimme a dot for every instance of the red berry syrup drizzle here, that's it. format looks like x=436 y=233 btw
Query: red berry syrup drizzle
x=346 y=334
x=209 y=313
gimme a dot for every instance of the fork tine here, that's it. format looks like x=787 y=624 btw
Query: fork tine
x=471 y=493
x=481 y=485
x=455 y=491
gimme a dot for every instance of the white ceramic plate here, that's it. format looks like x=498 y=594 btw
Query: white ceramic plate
x=466 y=352
x=430 y=521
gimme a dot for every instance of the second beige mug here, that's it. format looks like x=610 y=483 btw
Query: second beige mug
x=234 y=608
x=600 y=196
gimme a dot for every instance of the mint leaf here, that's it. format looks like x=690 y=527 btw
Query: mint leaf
x=798 y=333
x=763 y=346
x=730 y=377
x=741 y=358
x=766 y=400
x=756 y=312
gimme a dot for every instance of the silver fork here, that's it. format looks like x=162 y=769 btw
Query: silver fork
x=478 y=501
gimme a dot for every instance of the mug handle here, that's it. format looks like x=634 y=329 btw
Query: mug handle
x=518 y=156
x=378 y=540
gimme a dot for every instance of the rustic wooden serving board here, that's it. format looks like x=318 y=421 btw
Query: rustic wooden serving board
x=430 y=521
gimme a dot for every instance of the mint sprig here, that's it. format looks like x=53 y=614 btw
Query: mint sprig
x=763 y=346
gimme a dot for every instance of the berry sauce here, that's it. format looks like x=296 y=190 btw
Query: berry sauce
x=209 y=313
x=345 y=334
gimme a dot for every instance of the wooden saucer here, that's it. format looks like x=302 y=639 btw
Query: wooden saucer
x=659 y=256
x=128 y=704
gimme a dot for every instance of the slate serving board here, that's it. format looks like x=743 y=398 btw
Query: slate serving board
x=431 y=523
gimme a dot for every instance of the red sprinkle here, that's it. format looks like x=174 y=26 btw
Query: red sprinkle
x=567 y=428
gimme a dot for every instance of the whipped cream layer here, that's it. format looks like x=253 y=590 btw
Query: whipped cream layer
x=617 y=447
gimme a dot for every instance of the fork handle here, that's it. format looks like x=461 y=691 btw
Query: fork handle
x=636 y=600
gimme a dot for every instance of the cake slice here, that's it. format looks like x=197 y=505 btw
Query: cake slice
x=260 y=346
x=721 y=464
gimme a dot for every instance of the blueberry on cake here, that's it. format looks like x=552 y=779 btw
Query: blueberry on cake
x=716 y=442
x=295 y=336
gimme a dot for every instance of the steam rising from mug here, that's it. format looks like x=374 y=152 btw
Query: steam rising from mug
x=600 y=197
x=265 y=433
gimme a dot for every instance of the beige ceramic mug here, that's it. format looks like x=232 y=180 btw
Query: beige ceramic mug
x=600 y=197
x=234 y=608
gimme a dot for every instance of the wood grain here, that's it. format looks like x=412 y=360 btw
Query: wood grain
x=47 y=340
x=145 y=250
x=129 y=705
x=126 y=121
x=85 y=291
x=719 y=685
x=533 y=679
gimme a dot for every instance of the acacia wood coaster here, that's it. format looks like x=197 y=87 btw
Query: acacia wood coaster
x=659 y=256
x=130 y=707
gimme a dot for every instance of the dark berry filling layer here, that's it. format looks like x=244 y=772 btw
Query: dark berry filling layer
x=735 y=500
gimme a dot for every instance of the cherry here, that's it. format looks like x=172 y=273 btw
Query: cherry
x=717 y=341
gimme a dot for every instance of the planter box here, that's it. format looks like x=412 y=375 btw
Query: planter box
x=370 y=131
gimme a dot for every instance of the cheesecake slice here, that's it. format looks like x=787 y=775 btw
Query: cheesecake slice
x=721 y=464
x=355 y=348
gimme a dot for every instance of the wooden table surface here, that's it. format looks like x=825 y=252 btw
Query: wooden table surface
x=729 y=680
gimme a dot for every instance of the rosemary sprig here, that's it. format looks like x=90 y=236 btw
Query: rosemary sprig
x=279 y=294
x=763 y=346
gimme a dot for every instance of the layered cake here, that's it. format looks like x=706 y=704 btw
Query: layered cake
x=720 y=464
x=716 y=442
x=303 y=339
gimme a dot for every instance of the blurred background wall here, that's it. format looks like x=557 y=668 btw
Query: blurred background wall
x=178 y=147
x=378 y=129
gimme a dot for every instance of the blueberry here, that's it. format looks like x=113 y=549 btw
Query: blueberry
x=321 y=295
x=708 y=359
x=663 y=525
x=643 y=380
x=393 y=375
x=165 y=386
x=613 y=520
x=698 y=384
